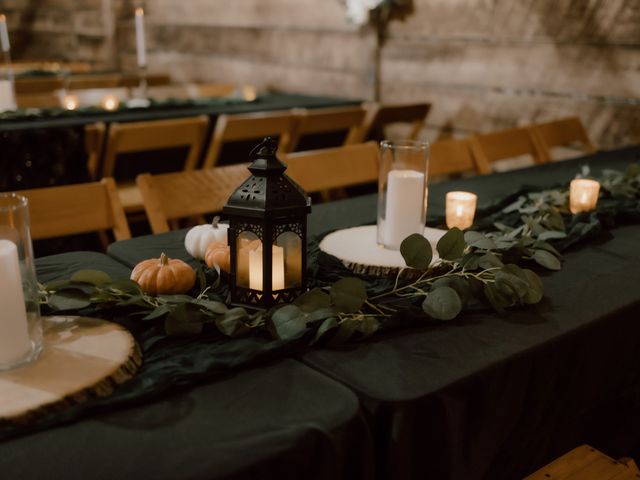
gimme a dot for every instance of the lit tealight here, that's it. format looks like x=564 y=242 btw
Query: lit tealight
x=249 y=93
x=110 y=102
x=460 y=209
x=583 y=195
x=70 y=102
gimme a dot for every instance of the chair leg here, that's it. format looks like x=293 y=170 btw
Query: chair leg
x=630 y=463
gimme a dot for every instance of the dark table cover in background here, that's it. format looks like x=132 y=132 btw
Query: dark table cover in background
x=43 y=150
x=271 y=422
x=488 y=397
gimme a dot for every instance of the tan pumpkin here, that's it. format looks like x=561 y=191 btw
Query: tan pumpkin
x=218 y=253
x=163 y=275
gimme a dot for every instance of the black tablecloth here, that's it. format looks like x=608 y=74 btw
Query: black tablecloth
x=272 y=422
x=489 y=397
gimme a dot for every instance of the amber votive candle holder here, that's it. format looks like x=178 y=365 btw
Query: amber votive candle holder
x=460 y=209
x=583 y=195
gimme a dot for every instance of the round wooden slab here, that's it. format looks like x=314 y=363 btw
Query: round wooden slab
x=82 y=358
x=358 y=249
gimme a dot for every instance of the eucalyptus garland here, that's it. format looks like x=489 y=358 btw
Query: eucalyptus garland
x=475 y=270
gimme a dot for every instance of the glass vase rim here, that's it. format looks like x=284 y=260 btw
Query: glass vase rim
x=19 y=201
x=405 y=144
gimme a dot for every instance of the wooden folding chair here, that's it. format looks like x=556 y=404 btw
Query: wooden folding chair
x=79 y=208
x=153 y=79
x=94 y=134
x=205 y=90
x=152 y=135
x=451 y=156
x=379 y=116
x=331 y=168
x=326 y=120
x=172 y=196
x=587 y=463
x=566 y=132
x=38 y=100
x=504 y=144
x=82 y=82
x=249 y=126
x=31 y=85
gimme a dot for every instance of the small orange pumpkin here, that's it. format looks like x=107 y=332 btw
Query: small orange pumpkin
x=163 y=275
x=218 y=253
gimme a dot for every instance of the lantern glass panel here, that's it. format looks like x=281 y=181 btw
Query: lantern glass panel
x=246 y=243
x=291 y=244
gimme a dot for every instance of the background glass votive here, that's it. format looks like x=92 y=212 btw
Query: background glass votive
x=402 y=191
x=110 y=102
x=460 y=209
x=583 y=195
x=20 y=326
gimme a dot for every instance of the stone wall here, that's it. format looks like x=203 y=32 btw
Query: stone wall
x=484 y=64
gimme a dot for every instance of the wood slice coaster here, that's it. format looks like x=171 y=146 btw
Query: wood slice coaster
x=82 y=358
x=359 y=251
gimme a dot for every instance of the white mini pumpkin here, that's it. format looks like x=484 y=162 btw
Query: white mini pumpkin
x=200 y=236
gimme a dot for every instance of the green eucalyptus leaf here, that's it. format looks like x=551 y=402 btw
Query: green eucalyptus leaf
x=157 y=312
x=479 y=240
x=348 y=294
x=470 y=261
x=94 y=277
x=177 y=299
x=443 y=303
x=551 y=235
x=367 y=326
x=508 y=283
x=515 y=206
x=344 y=332
x=416 y=251
x=489 y=260
x=459 y=284
x=183 y=320
x=321 y=314
x=536 y=289
x=326 y=326
x=313 y=300
x=289 y=322
x=451 y=246
x=69 y=299
x=233 y=324
x=496 y=298
x=211 y=305
x=547 y=260
x=133 y=300
x=126 y=286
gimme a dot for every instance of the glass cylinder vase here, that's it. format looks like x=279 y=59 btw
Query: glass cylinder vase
x=20 y=325
x=402 y=191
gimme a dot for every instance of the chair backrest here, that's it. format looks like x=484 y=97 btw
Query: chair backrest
x=563 y=132
x=326 y=169
x=379 y=116
x=451 y=156
x=80 y=82
x=93 y=142
x=38 y=100
x=164 y=92
x=73 y=209
x=504 y=144
x=324 y=120
x=204 y=90
x=46 y=84
x=155 y=135
x=171 y=196
x=153 y=79
x=249 y=126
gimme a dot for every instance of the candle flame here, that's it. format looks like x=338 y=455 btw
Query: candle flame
x=70 y=102
x=459 y=210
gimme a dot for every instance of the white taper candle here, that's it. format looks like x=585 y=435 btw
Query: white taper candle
x=4 y=34
x=140 y=43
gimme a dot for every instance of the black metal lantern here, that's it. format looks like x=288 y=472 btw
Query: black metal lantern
x=267 y=233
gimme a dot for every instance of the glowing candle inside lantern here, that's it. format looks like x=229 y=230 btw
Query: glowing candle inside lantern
x=70 y=102
x=277 y=268
x=460 y=209
x=7 y=99
x=4 y=34
x=404 y=211
x=110 y=102
x=140 y=43
x=583 y=195
x=249 y=93
x=14 y=331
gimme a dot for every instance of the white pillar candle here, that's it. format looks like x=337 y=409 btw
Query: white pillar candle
x=140 y=44
x=14 y=331
x=460 y=209
x=4 y=34
x=277 y=268
x=583 y=195
x=404 y=211
x=7 y=100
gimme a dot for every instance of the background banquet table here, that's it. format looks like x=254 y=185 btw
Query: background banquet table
x=47 y=148
x=491 y=397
